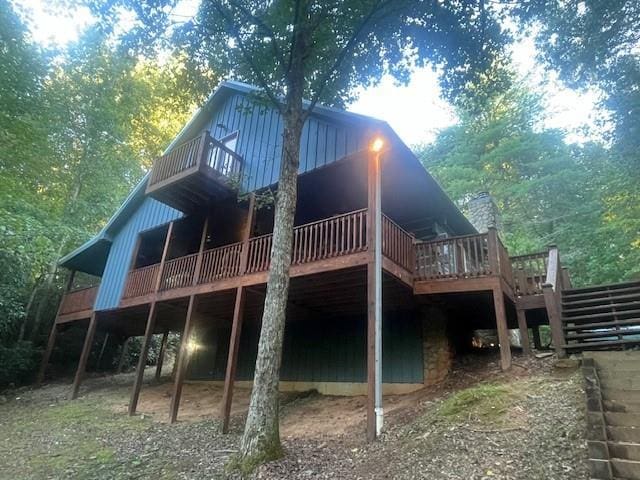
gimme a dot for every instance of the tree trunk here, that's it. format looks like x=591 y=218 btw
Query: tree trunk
x=261 y=439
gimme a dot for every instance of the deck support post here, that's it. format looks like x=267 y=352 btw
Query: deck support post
x=375 y=413
x=47 y=353
x=54 y=332
x=183 y=362
x=123 y=354
x=142 y=360
x=503 y=330
x=537 y=342
x=84 y=356
x=555 y=320
x=232 y=358
x=524 y=331
x=236 y=326
x=161 y=354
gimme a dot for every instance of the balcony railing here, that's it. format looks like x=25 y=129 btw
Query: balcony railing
x=530 y=272
x=78 y=300
x=456 y=257
x=203 y=153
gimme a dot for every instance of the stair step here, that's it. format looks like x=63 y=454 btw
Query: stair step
x=596 y=345
x=628 y=469
x=618 y=314
x=604 y=286
x=624 y=450
x=621 y=406
x=624 y=434
x=613 y=323
x=607 y=299
x=621 y=383
x=570 y=296
x=603 y=333
x=622 y=419
x=621 y=395
x=633 y=303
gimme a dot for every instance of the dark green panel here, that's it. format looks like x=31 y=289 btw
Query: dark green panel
x=325 y=350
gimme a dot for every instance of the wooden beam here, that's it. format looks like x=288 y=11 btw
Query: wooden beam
x=84 y=356
x=232 y=358
x=123 y=355
x=142 y=360
x=503 y=331
x=54 y=332
x=524 y=331
x=47 y=353
x=457 y=285
x=236 y=326
x=555 y=320
x=161 y=354
x=183 y=361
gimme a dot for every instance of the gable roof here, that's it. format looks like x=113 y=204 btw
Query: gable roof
x=91 y=257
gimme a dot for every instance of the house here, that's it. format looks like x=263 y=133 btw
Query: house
x=188 y=251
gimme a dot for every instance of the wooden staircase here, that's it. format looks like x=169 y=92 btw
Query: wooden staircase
x=613 y=416
x=604 y=317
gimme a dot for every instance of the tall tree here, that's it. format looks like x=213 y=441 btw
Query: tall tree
x=319 y=50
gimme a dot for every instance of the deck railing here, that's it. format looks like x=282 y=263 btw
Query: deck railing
x=141 y=281
x=455 y=257
x=530 y=272
x=179 y=272
x=78 y=300
x=220 y=262
x=202 y=152
x=397 y=244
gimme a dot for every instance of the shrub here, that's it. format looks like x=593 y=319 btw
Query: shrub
x=19 y=362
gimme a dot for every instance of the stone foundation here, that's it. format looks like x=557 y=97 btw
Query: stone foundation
x=436 y=347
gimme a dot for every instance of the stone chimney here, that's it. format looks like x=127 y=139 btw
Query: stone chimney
x=483 y=212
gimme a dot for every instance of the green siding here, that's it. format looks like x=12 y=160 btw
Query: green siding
x=331 y=350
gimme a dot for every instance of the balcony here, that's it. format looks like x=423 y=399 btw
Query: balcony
x=195 y=174
x=77 y=304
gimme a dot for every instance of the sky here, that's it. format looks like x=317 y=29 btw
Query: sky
x=416 y=111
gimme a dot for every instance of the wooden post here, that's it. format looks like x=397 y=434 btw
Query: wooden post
x=236 y=326
x=232 y=358
x=54 y=332
x=537 y=343
x=492 y=247
x=524 y=331
x=123 y=355
x=47 y=353
x=84 y=356
x=104 y=346
x=142 y=360
x=555 y=320
x=183 y=361
x=161 y=353
x=503 y=330
x=151 y=325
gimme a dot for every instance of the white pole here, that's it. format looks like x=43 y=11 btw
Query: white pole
x=378 y=297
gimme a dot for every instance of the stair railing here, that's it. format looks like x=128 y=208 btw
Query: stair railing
x=552 y=291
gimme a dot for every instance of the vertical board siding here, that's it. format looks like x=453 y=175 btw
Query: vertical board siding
x=150 y=214
x=260 y=131
x=331 y=350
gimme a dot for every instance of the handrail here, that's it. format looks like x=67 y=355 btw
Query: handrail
x=453 y=257
x=553 y=268
x=79 y=300
x=397 y=244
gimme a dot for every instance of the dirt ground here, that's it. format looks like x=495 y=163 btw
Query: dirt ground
x=479 y=424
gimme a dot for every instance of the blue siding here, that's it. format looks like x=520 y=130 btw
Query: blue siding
x=150 y=214
x=260 y=140
x=330 y=350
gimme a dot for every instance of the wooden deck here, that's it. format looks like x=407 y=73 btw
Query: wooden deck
x=195 y=173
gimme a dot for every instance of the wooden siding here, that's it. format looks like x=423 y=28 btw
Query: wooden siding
x=331 y=350
x=150 y=214
x=260 y=140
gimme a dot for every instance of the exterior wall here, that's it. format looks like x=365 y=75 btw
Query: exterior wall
x=260 y=140
x=320 y=351
x=150 y=214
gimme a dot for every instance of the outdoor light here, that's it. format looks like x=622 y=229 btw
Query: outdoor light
x=377 y=144
x=192 y=346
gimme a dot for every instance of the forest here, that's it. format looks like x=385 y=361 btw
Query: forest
x=81 y=124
